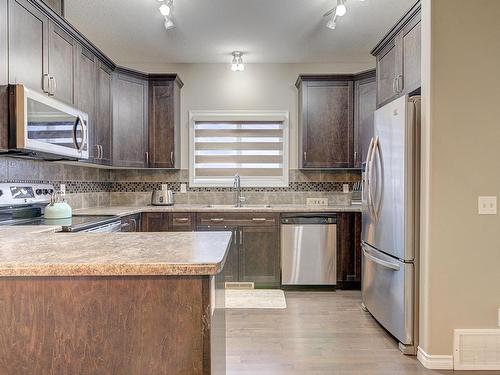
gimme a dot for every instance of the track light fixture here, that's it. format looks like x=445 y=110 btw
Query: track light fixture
x=166 y=11
x=237 y=63
x=335 y=13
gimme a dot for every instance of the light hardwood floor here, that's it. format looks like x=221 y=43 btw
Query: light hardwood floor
x=319 y=333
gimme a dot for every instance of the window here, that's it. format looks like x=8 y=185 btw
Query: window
x=251 y=144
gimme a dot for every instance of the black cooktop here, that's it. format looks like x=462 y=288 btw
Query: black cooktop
x=72 y=224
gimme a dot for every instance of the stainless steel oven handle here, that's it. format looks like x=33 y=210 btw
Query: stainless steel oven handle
x=381 y=262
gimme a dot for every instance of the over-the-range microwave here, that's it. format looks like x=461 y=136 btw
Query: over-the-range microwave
x=40 y=125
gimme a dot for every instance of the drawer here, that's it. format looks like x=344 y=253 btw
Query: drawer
x=182 y=221
x=238 y=219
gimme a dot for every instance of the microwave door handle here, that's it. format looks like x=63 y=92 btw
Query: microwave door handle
x=80 y=146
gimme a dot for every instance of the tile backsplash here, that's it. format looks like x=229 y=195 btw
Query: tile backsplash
x=88 y=186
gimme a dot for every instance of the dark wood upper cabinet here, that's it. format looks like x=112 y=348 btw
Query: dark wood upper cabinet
x=325 y=122
x=409 y=42
x=85 y=86
x=28 y=40
x=103 y=125
x=387 y=74
x=164 y=122
x=365 y=103
x=398 y=57
x=130 y=120
x=62 y=64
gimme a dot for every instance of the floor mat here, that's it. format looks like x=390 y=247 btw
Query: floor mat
x=255 y=299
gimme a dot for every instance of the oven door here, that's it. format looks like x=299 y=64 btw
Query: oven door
x=45 y=125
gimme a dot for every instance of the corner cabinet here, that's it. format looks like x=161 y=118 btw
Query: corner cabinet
x=164 y=121
x=130 y=120
x=398 y=57
x=325 y=122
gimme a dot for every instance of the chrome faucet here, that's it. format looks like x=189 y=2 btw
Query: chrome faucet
x=237 y=186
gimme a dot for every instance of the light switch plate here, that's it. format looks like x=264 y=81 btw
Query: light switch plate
x=317 y=201
x=487 y=205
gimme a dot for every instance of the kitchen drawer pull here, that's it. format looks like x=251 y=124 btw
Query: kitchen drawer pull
x=217 y=219
x=260 y=219
x=181 y=219
x=241 y=237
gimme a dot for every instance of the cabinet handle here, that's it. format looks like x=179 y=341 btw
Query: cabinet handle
x=45 y=83
x=394 y=85
x=259 y=219
x=355 y=157
x=172 y=158
x=181 y=219
x=241 y=237
x=217 y=219
x=102 y=152
x=234 y=237
x=399 y=81
x=147 y=158
x=52 y=85
x=305 y=155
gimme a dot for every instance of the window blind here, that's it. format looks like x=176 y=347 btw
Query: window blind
x=252 y=149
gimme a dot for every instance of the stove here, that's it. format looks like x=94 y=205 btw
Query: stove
x=24 y=204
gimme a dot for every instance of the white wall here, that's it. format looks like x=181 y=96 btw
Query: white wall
x=460 y=250
x=259 y=87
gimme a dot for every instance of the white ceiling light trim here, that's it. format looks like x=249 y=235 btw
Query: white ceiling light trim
x=340 y=10
x=166 y=11
x=237 y=63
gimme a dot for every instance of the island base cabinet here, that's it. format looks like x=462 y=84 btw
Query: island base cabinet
x=160 y=325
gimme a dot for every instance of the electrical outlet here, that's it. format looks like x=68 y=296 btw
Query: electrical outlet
x=62 y=189
x=183 y=188
x=487 y=205
x=164 y=187
x=317 y=201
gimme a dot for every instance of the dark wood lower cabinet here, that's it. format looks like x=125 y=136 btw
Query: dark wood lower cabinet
x=348 y=250
x=230 y=270
x=181 y=222
x=135 y=325
x=255 y=253
x=259 y=256
x=154 y=222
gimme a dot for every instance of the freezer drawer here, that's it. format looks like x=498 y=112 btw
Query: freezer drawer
x=308 y=253
x=387 y=288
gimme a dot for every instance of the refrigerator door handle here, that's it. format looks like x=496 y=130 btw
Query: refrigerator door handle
x=367 y=172
x=370 y=181
x=379 y=183
x=383 y=263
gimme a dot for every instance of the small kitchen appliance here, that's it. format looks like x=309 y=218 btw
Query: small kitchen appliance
x=162 y=198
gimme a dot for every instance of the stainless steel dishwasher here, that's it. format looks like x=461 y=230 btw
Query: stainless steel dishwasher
x=309 y=250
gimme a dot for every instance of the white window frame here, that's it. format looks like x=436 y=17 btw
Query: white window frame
x=228 y=116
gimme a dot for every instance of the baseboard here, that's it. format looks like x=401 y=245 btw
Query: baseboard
x=435 y=362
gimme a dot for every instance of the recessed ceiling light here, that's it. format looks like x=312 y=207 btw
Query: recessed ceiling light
x=164 y=10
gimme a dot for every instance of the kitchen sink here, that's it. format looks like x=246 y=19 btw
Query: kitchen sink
x=225 y=206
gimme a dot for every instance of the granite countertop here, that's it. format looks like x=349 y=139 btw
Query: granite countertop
x=39 y=251
x=129 y=210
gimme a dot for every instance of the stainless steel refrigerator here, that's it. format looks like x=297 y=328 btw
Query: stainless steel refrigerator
x=391 y=220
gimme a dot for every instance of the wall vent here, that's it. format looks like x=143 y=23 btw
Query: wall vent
x=239 y=285
x=476 y=349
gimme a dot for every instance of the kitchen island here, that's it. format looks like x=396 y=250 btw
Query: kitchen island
x=115 y=303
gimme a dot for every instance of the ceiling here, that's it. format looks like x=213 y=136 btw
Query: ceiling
x=267 y=31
